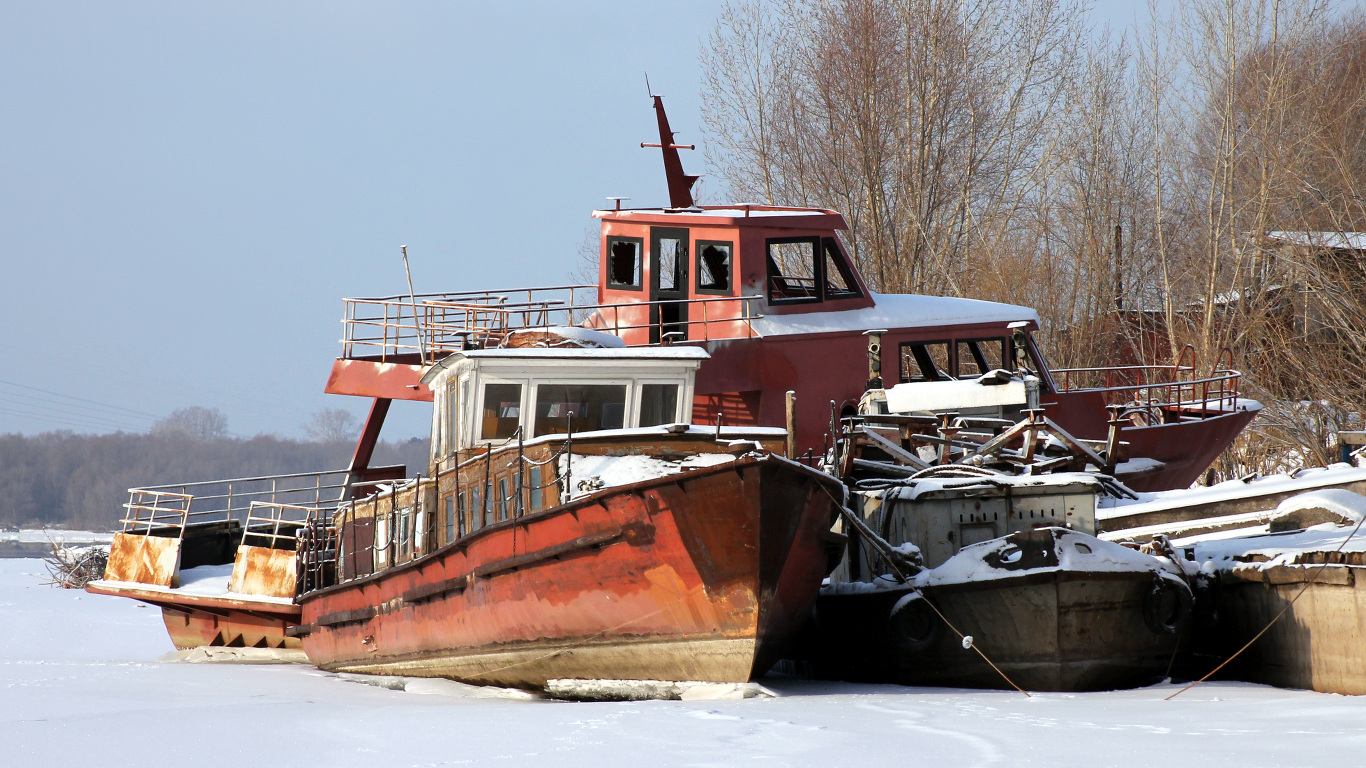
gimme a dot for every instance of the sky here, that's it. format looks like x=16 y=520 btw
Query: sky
x=188 y=190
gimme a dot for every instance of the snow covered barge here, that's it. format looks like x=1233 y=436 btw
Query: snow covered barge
x=985 y=526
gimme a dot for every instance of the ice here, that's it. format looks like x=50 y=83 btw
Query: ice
x=80 y=684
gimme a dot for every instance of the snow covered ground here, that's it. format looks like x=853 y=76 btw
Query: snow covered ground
x=80 y=684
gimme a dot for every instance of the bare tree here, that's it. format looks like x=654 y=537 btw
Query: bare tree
x=195 y=423
x=331 y=425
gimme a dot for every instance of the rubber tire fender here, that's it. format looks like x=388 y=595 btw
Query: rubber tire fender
x=914 y=625
x=1153 y=606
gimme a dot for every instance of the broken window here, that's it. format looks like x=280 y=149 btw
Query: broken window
x=978 y=356
x=502 y=410
x=594 y=407
x=623 y=262
x=839 y=279
x=792 y=270
x=658 y=404
x=925 y=361
x=713 y=267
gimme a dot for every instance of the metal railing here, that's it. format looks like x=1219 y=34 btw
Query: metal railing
x=268 y=524
x=1155 y=386
x=266 y=500
x=431 y=326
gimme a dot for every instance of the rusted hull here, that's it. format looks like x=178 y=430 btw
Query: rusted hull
x=195 y=620
x=1055 y=631
x=1315 y=645
x=190 y=628
x=697 y=576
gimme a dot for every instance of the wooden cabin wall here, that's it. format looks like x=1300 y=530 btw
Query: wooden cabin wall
x=384 y=530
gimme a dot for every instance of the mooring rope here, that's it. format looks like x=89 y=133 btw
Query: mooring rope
x=1278 y=616
x=877 y=541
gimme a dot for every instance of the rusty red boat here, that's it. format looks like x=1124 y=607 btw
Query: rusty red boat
x=573 y=526
x=771 y=294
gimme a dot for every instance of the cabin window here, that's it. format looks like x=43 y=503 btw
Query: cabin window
x=476 y=510
x=792 y=270
x=503 y=499
x=462 y=431
x=381 y=545
x=623 y=262
x=839 y=279
x=488 y=504
x=925 y=361
x=535 y=489
x=450 y=518
x=502 y=410
x=673 y=254
x=978 y=356
x=405 y=531
x=714 y=267
x=462 y=507
x=658 y=404
x=593 y=407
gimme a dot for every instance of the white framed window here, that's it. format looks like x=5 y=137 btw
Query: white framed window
x=594 y=405
x=660 y=401
x=501 y=404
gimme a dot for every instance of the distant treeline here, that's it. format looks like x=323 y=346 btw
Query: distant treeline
x=82 y=481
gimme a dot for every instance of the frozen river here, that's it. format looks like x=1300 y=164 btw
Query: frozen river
x=82 y=686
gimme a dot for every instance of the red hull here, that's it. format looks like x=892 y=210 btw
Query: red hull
x=1187 y=448
x=702 y=575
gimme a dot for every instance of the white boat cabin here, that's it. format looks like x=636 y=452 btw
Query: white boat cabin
x=490 y=397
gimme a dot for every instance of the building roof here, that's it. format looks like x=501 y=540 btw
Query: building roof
x=1352 y=241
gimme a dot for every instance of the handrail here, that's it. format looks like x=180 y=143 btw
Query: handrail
x=452 y=322
x=172 y=507
x=1221 y=387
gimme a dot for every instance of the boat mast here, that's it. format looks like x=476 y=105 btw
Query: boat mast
x=680 y=183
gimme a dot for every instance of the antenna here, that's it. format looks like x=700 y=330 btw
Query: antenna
x=680 y=183
x=417 y=324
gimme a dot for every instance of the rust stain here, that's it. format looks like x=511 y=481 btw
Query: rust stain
x=144 y=560
x=263 y=571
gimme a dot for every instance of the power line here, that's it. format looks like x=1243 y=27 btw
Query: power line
x=45 y=405
x=82 y=399
x=66 y=421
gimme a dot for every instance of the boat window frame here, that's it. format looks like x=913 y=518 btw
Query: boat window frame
x=845 y=268
x=681 y=409
x=478 y=411
x=607 y=281
x=948 y=375
x=629 y=415
x=817 y=269
x=698 y=247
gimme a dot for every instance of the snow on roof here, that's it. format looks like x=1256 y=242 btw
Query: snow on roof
x=577 y=353
x=1355 y=241
x=623 y=354
x=733 y=212
x=895 y=310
